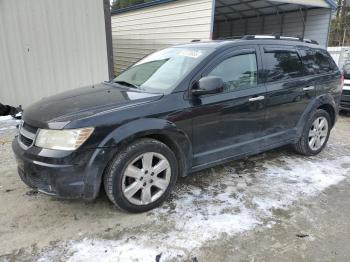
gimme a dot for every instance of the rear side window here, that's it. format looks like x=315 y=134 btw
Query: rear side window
x=282 y=65
x=317 y=61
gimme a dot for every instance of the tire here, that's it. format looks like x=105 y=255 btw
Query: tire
x=128 y=171
x=303 y=145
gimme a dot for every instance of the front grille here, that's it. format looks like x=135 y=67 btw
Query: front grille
x=29 y=128
x=346 y=92
x=25 y=140
x=27 y=135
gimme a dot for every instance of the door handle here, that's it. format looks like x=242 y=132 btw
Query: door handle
x=309 y=88
x=258 y=98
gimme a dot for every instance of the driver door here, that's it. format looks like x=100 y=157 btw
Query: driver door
x=229 y=124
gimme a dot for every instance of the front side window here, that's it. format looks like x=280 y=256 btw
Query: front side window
x=282 y=66
x=238 y=72
x=161 y=71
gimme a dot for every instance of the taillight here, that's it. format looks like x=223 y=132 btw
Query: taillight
x=342 y=80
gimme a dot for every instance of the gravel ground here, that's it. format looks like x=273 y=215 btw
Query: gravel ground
x=276 y=206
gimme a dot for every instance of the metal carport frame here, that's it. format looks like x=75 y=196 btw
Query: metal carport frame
x=234 y=18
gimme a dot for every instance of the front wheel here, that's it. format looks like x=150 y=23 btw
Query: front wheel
x=142 y=176
x=315 y=134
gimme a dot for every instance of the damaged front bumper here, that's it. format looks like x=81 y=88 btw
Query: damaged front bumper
x=63 y=174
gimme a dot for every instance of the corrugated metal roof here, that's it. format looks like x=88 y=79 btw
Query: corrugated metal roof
x=332 y=3
x=254 y=4
x=313 y=3
x=243 y=9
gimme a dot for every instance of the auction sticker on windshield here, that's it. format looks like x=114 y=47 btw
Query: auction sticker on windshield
x=191 y=53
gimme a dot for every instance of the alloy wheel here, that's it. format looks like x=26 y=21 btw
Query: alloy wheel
x=146 y=178
x=318 y=133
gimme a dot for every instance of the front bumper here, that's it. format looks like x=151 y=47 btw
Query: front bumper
x=60 y=173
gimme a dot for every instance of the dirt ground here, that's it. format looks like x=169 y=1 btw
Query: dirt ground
x=276 y=206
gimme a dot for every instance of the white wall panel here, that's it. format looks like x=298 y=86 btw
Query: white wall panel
x=49 y=46
x=317 y=25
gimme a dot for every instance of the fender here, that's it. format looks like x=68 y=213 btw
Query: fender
x=127 y=133
x=319 y=101
x=152 y=126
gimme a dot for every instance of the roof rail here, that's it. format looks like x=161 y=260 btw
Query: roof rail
x=229 y=38
x=278 y=37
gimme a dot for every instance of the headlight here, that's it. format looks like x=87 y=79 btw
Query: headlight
x=68 y=140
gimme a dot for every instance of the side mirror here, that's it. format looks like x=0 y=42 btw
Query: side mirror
x=208 y=85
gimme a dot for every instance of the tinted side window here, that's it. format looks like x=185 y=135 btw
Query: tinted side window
x=282 y=65
x=317 y=61
x=238 y=72
x=322 y=61
x=332 y=64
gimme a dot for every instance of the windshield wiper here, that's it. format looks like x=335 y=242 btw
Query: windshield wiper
x=124 y=83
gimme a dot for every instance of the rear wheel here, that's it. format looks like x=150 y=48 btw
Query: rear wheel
x=142 y=176
x=315 y=134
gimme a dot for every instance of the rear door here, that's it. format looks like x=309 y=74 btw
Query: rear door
x=323 y=70
x=289 y=91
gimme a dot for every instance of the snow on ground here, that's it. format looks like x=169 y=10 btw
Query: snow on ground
x=7 y=128
x=8 y=122
x=226 y=201
x=5 y=118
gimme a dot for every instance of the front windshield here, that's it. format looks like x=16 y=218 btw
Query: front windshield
x=162 y=70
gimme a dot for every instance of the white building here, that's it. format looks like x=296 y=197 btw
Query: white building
x=49 y=46
x=141 y=29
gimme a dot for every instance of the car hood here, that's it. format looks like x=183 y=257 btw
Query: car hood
x=58 y=110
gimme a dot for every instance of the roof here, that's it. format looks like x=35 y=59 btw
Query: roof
x=332 y=3
x=232 y=10
x=253 y=6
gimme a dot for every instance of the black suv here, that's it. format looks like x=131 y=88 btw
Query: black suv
x=177 y=111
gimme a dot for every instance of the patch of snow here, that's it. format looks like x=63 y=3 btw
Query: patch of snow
x=201 y=217
x=297 y=178
x=19 y=115
x=8 y=123
x=230 y=205
x=207 y=215
x=6 y=118
x=110 y=250
x=107 y=250
x=7 y=128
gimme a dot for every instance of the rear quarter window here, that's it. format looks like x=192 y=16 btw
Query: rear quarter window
x=317 y=61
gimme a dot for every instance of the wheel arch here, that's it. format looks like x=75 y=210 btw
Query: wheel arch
x=325 y=102
x=162 y=130
x=330 y=110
